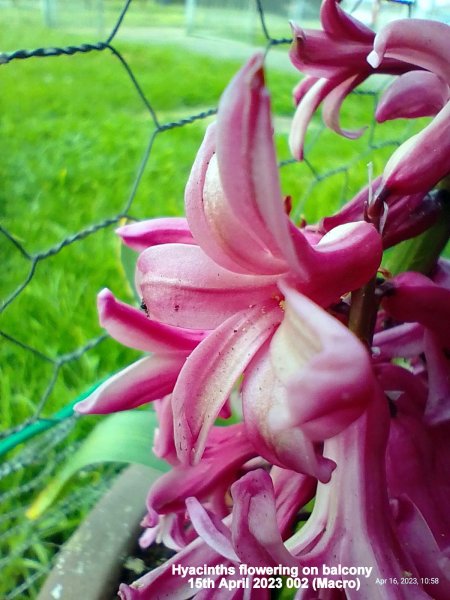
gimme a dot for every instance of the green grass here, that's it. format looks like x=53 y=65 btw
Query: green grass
x=72 y=147
x=72 y=133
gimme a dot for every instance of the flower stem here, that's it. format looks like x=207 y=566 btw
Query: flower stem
x=363 y=312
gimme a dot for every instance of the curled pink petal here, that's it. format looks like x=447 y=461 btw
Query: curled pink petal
x=182 y=286
x=346 y=258
x=339 y=23
x=292 y=491
x=212 y=370
x=302 y=88
x=146 y=380
x=404 y=340
x=324 y=366
x=411 y=95
x=250 y=177
x=133 y=328
x=256 y=537
x=212 y=531
x=170 y=531
x=163 y=440
x=152 y=232
x=415 y=297
x=264 y=395
x=250 y=180
x=305 y=112
x=227 y=450
x=321 y=54
x=417 y=41
x=332 y=105
x=251 y=184
x=438 y=405
x=423 y=160
x=222 y=236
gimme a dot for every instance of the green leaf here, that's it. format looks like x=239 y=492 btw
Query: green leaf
x=122 y=437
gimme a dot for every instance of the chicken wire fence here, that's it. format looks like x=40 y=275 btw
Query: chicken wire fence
x=53 y=350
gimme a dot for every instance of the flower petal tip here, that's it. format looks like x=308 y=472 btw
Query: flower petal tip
x=104 y=295
x=83 y=407
x=105 y=304
x=374 y=59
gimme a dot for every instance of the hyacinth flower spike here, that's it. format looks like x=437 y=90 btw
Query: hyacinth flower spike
x=185 y=289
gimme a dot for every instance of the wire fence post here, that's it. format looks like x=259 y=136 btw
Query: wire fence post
x=49 y=12
x=190 y=15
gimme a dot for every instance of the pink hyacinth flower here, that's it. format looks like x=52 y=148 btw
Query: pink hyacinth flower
x=340 y=57
x=334 y=62
x=151 y=377
x=263 y=505
x=413 y=297
x=414 y=94
x=208 y=285
x=246 y=242
x=309 y=383
x=407 y=215
x=423 y=160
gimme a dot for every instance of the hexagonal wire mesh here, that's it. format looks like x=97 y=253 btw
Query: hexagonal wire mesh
x=81 y=155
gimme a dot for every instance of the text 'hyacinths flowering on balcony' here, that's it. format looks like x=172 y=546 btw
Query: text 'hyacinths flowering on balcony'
x=330 y=375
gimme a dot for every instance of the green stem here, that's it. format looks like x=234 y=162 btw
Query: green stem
x=363 y=312
x=419 y=254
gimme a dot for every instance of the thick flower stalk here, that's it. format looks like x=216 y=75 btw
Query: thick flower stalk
x=337 y=382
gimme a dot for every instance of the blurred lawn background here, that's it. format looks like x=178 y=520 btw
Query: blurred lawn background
x=73 y=131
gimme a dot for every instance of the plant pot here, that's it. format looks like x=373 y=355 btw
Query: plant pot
x=89 y=565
